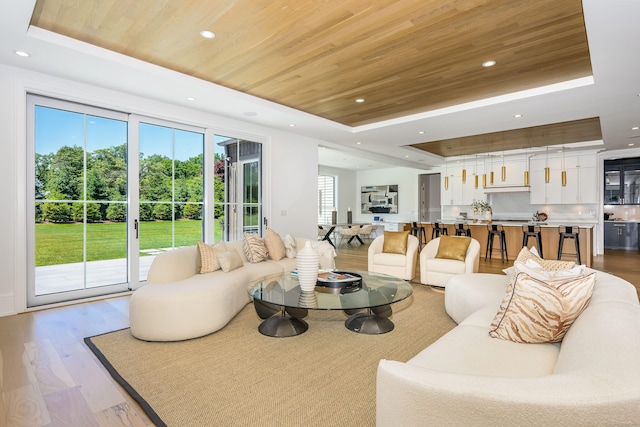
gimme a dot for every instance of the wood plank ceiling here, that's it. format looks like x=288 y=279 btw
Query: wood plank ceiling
x=319 y=56
x=556 y=134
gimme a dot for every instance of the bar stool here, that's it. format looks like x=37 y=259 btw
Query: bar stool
x=438 y=229
x=569 y=232
x=420 y=232
x=462 y=229
x=496 y=230
x=532 y=231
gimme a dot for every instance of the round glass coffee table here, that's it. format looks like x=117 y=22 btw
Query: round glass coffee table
x=281 y=303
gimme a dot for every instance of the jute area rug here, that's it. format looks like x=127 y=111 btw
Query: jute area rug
x=238 y=377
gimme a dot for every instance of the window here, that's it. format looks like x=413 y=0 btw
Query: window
x=326 y=198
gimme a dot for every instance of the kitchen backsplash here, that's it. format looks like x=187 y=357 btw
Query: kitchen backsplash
x=516 y=206
x=625 y=212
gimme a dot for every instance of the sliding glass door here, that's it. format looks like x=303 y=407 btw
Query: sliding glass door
x=112 y=190
x=79 y=204
x=170 y=188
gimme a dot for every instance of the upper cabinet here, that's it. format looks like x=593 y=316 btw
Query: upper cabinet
x=578 y=187
x=622 y=181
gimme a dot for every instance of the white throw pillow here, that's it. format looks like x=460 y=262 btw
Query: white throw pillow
x=290 y=246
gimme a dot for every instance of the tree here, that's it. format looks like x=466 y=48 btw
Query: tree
x=43 y=163
x=65 y=175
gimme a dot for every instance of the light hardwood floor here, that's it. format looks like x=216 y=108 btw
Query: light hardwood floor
x=48 y=376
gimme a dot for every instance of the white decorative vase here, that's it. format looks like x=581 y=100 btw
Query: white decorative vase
x=307 y=265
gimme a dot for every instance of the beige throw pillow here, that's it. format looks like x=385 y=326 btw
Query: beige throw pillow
x=275 y=245
x=537 y=311
x=395 y=242
x=453 y=247
x=208 y=257
x=548 y=264
x=254 y=248
x=230 y=260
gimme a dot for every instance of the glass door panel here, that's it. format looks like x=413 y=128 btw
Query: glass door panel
x=80 y=249
x=238 y=187
x=171 y=189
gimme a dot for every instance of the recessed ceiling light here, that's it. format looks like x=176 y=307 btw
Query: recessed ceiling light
x=635 y=128
x=358 y=143
x=190 y=98
x=517 y=116
x=207 y=34
x=631 y=144
x=407 y=156
x=489 y=63
x=421 y=132
x=360 y=100
x=21 y=53
x=292 y=125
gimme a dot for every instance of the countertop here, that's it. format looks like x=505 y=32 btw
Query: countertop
x=520 y=223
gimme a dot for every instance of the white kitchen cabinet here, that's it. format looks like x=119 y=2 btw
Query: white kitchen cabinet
x=545 y=193
x=459 y=193
x=582 y=180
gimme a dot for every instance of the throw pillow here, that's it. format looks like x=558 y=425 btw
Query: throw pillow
x=207 y=260
x=290 y=246
x=275 y=245
x=395 y=242
x=536 y=271
x=453 y=247
x=548 y=264
x=537 y=311
x=254 y=248
x=230 y=260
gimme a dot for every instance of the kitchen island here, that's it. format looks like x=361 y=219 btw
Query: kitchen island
x=513 y=234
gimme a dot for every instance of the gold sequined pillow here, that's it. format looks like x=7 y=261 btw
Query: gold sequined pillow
x=207 y=260
x=548 y=264
x=453 y=247
x=254 y=248
x=395 y=242
x=537 y=311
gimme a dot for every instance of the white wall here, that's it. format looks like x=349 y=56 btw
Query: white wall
x=346 y=182
x=407 y=180
x=290 y=169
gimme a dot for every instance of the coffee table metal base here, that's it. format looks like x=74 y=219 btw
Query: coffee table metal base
x=281 y=326
x=369 y=323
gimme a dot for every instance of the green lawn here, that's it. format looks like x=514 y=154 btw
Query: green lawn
x=63 y=243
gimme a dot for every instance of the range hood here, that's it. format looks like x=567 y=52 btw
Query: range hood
x=508 y=189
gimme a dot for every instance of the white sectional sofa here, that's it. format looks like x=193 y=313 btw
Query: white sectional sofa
x=467 y=378
x=177 y=303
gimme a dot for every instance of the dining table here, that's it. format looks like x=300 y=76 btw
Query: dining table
x=330 y=228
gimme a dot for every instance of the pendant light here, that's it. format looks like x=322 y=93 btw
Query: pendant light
x=564 y=172
x=464 y=172
x=491 y=173
x=475 y=173
x=484 y=173
x=446 y=176
x=546 y=167
x=504 y=169
x=526 y=167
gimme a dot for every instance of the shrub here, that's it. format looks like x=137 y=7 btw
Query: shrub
x=56 y=212
x=117 y=212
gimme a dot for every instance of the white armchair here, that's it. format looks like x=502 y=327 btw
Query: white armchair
x=436 y=271
x=393 y=264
